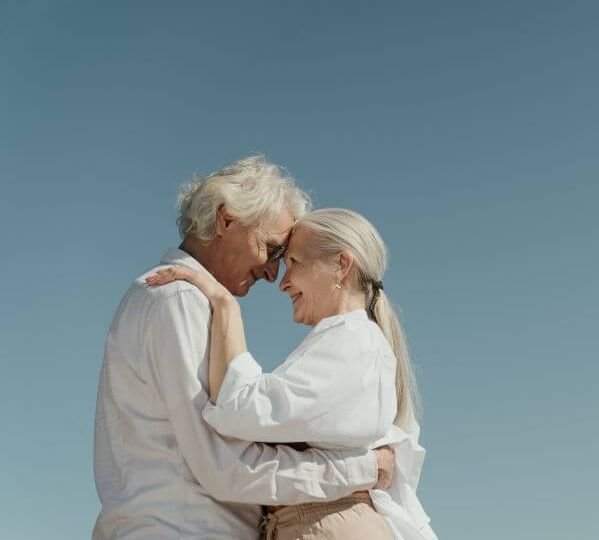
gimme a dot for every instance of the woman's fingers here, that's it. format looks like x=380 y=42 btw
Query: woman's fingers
x=167 y=275
x=211 y=288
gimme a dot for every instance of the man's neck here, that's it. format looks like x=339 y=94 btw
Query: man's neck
x=199 y=251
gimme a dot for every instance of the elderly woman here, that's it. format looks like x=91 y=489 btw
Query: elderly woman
x=348 y=385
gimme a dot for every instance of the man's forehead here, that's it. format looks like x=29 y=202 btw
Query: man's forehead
x=279 y=228
x=280 y=236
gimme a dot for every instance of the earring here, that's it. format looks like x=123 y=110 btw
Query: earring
x=339 y=285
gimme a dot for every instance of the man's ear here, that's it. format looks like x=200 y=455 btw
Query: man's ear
x=346 y=263
x=223 y=220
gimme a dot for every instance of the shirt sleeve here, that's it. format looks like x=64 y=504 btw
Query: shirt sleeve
x=229 y=469
x=339 y=391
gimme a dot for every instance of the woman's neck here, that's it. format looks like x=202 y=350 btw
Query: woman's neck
x=347 y=303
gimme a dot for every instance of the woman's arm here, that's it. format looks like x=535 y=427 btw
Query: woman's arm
x=339 y=390
x=227 y=337
x=335 y=390
x=227 y=340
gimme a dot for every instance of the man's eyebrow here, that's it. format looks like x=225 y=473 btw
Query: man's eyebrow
x=278 y=250
x=283 y=231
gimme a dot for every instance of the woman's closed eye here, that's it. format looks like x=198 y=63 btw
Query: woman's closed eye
x=290 y=261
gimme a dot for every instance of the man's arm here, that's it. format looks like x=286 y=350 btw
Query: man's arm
x=230 y=469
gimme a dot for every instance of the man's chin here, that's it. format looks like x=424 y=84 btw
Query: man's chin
x=243 y=289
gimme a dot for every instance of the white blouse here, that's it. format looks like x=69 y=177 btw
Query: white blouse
x=335 y=391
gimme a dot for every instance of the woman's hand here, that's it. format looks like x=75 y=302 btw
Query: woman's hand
x=212 y=289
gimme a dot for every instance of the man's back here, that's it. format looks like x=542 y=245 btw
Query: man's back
x=146 y=486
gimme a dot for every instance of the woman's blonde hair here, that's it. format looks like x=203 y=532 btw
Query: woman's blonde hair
x=337 y=229
x=252 y=189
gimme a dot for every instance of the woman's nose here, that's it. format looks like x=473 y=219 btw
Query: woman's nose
x=284 y=282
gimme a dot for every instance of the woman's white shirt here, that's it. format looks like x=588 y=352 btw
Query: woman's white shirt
x=335 y=391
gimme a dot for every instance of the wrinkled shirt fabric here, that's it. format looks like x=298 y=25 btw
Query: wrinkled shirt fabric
x=161 y=471
x=335 y=391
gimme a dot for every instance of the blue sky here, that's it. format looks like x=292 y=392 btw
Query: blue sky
x=466 y=131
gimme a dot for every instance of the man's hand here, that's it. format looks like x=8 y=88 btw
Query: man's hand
x=385 y=460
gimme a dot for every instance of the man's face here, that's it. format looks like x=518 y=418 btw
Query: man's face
x=248 y=252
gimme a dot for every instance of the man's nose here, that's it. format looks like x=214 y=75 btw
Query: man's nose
x=271 y=270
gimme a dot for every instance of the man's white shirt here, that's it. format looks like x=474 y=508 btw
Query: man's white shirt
x=161 y=471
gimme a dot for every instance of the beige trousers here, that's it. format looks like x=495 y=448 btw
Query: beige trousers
x=351 y=518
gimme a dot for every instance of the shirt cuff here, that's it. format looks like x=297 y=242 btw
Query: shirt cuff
x=242 y=370
x=362 y=470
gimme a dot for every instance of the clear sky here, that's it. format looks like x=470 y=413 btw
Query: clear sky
x=467 y=132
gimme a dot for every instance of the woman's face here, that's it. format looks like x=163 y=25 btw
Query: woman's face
x=309 y=280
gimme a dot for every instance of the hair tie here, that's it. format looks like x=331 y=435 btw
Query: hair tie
x=377 y=286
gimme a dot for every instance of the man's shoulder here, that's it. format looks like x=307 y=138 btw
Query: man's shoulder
x=176 y=291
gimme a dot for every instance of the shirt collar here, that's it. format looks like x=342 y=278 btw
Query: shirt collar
x=182 y=258
x=327 y=322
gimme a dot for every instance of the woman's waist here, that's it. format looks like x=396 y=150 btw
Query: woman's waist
x=307 y=512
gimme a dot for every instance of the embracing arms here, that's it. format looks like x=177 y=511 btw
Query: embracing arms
x=230 y=469
x=228 y=342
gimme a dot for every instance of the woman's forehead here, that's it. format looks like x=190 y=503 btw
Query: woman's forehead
x=300 y=238
x=301 y=245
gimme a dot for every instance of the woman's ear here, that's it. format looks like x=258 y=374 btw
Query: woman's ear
x=223 y=220
x=346 y=262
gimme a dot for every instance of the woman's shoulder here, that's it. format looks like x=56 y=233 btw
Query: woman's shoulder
x=351 y=332
x=350 y=339
x=339 y=324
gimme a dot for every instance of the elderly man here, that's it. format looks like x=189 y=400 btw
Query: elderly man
x=161 y=472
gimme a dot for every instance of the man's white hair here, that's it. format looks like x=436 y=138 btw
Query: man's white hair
x=253 y=190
